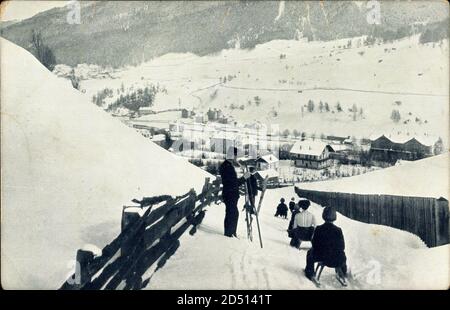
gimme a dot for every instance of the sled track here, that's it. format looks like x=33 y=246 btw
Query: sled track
x=245 y=272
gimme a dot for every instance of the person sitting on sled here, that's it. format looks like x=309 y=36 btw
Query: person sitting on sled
x=282 y=209
x=304 y=223
x=292 y=205
x=294 y=241
x=327 y=246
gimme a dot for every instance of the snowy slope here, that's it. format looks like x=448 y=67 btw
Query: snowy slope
x=67 y=170
x=428 y=177
x=379 y=257
x=373 y=78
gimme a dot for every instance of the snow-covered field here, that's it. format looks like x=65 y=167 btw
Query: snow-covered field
x=68 y=167
x=403 y=75
x=378 y=257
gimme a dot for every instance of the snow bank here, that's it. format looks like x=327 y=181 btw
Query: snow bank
x=422 y=178
x=378 y=257
x=67 y=170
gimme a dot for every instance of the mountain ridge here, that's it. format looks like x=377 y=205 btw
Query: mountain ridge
x=118 y=33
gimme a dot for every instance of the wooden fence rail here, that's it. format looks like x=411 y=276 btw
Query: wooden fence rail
x=145 y=239
x=427 y=218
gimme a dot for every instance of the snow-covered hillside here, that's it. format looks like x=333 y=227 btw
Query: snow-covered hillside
x=67 y=169
x=285 y=75
x=379 y=257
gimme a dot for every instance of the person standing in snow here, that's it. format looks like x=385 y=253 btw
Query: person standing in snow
x=328 y=246
x=304 y=223
x=292 y=205
x=230 y=192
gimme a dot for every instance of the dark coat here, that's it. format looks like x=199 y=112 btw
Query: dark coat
x=291 y=206
x=230 y=180
x=291 y=223
x=329 y=245
x=282 y=208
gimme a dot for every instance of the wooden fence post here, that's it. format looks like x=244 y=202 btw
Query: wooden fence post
x=82 y=275
x=130 y=216
x=441 y=214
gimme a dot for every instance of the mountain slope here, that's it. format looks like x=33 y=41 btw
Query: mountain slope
x=67 y=170
x=117 y=33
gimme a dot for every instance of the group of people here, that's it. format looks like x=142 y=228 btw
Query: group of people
x=327 y=240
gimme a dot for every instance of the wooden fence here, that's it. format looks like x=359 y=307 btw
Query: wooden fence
x=145 y=239
x=428 y=218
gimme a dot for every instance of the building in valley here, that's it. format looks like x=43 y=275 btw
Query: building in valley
x=267 y=162
x=311 y=154
x=390 y=148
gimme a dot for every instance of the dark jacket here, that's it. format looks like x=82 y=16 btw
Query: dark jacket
x=282 y=208
x=291 y=205
x=328 y=245
x=291 y=223
x=230 y=180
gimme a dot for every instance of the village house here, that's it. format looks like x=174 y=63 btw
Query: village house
x=311 y=154
x=270 y=175
x=185 y=113
x=146 y=110
x=401 y=147
x=267 y=162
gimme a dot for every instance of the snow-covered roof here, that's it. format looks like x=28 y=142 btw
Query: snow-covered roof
x=402 y=138
x=159 y=137
x=269 y=158
x=271 y=173
x=422 y=178
x=309 y=147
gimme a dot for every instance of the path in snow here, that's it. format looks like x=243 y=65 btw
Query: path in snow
x=378 y=256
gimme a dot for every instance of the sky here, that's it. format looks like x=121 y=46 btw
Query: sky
x=23 y=9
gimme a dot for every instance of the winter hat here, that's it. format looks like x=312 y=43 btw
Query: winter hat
x=329 y=214
x=304 y=204
x=282 y=200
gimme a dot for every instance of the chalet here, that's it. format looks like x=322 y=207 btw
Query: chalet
x=311 y=154
x=400 y=147
x=336 y=139
x=271 y=175
x=146 y=110
x=267 y=162
x=201 y=118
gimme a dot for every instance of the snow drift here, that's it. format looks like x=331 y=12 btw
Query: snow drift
x=67 y=170
x=428 y=177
